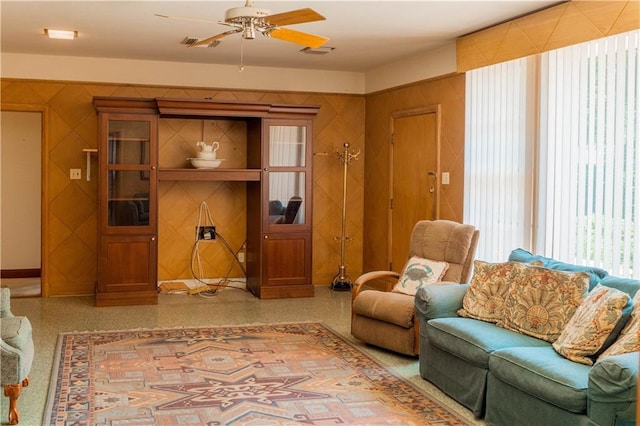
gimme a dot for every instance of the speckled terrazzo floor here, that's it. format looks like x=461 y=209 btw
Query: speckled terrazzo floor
x=51 y=316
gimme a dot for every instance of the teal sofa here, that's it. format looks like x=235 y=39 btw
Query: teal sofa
x=509 y=378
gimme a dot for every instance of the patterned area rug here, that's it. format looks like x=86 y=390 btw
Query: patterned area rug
x=246 y=375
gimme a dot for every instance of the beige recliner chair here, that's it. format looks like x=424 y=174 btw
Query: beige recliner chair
x=386 y=318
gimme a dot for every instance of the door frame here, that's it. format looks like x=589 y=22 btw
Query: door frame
x=429 y=109
x=44 y=181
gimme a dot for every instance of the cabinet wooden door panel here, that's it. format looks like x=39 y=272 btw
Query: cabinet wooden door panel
x=128 y=271
x=126 y=263
x=286 y=260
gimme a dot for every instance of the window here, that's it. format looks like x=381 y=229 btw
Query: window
x=564 y=160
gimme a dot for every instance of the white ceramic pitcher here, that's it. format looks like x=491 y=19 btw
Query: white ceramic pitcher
x=208 y=152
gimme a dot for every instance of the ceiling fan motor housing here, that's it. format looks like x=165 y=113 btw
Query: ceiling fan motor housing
x=239 y=14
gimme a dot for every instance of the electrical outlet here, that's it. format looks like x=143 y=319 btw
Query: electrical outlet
x=75 y=174
x=241 y=257
x=206 y=232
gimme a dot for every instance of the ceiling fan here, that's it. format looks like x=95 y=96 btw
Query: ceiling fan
x=249 y=20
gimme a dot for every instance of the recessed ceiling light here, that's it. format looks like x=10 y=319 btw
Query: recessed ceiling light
x=61 y=34
x=322 y=50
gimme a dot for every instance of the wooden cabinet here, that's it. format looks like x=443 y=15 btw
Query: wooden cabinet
x=127 y=206
x=282 y=248
x=278 y=185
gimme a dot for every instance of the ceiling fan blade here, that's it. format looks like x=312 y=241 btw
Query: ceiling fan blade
x=160 y=15
x=293 y=36
x=216 y=37
x=299 y=16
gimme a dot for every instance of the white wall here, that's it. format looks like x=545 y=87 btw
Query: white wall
x=109 y=70
x=427 y=65
x=20 y=191
x=437 y=62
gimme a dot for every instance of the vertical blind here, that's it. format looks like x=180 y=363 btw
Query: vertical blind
x=552 y=158
x=497 y=157
x=590 y=171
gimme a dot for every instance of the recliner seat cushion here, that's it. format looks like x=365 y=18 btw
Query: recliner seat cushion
x=474 y=340
x=383 y=334
x=544 y=374
x=396 y=308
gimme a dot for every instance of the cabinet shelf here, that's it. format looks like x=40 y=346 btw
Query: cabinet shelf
x=243 y=175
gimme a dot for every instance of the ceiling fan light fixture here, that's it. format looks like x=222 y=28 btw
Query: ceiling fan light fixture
x=61 y=34
x=322 y=50
x=249 y=30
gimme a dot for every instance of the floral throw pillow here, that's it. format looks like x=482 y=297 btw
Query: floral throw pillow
x=419 y=272
x=592 y=324
x=541 y=301
x=628 y=340
x=484 y=300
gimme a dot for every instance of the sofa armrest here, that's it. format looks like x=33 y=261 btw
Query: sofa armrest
x=439 y=300
x=612 y=391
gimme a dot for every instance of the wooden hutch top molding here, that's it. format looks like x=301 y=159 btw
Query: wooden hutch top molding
x=175 y=107
x=125 y=105
x=204 y=108
x=213 y=108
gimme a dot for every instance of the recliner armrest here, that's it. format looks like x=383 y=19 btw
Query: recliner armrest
x=439 y=300
x=370 y=276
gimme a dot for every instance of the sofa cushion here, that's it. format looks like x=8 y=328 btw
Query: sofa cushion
x=419 y=272
x=541 y=301
x=544 y=374
x=523 y=256
x=628 y=340
x=474 y=340
x=628 y=285
x=594 y=324
x=395 y=308
x=487 y=291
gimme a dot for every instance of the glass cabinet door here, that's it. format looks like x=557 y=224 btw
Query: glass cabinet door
x=286 y=197
x=287 y=178
x=128 y=173
x=287 y=146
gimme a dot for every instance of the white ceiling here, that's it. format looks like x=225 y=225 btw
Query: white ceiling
x=365 y=34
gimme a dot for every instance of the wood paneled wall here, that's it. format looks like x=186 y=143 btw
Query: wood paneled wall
x=70 y=216
x=559 y=26
x=449 y=93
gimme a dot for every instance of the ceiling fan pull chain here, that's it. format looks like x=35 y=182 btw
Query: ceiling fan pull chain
x=241 y=55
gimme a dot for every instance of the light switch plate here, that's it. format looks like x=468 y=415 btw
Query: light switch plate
x=445 y=178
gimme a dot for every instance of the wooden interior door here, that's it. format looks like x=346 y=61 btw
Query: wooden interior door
x=415 y=153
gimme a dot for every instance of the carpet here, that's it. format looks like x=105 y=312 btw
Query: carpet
x=274 y=374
